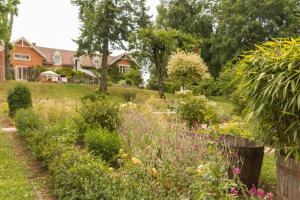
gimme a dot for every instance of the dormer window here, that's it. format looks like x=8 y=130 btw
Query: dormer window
x=77 y=62
x=97 y=64
x=57 y=58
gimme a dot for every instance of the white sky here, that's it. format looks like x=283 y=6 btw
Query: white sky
x=52 y=23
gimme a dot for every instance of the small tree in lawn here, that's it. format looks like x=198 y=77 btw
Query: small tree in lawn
x=186 y=68
x=158 y=44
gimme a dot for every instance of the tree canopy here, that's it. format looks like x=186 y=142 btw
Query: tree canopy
x=228 y=27
x=186 y=67
x=158 y=44
x=107 y=24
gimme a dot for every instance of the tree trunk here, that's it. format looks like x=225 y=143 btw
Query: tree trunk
x=7 y=47
x=104 y=66
x=159 y=71
x=7 y=61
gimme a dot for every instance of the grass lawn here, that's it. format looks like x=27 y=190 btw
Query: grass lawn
x=14 y=184
x=268 y=171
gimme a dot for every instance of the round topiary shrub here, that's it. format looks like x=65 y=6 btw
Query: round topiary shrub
x=18 y=97
x=103 y=143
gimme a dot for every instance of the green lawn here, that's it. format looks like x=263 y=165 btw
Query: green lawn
x=73 y=91
x=14 y=184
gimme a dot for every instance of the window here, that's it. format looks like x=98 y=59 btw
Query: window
x=57 y=59
x=97 y=64
x=77 y=63
x=21 y=73
x=23 y=57
x=123 y=69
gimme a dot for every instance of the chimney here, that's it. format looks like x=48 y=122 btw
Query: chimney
x=34 y=44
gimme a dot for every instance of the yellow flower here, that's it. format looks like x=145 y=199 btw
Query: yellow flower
x=153 y=172
x=110 y=169
x=136 y=161
x=200 y=169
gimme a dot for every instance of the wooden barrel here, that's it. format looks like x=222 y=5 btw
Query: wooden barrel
x=288 y=179
x=251 y=153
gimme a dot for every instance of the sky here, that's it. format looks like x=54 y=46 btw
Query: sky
x=52 y=23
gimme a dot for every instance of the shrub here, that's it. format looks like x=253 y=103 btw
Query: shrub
x=94 y=96
x=76 y=175
x=18 y=97
x=186 y=68
x=28 y=121
x=103 y=113
x=133 y=77
x=129 y=96
x=270 y=85
x=34 y=72
x=103 y=143
x=197 y=110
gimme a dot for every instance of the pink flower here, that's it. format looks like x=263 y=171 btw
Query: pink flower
x=236 y=171
x=270 y=196
x=260 y=193
x=252 y=191
x=234 y=191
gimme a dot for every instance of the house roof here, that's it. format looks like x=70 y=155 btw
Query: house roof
x=68 y=56
x=30 y=45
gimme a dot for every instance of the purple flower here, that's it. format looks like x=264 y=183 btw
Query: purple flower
x=260 y=193
x=234 y=191
x=236 y=171
x=270 y=196
x=252 y=191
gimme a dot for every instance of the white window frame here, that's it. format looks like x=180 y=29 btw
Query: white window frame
x=22 y=57
x=59 y=59
x=79 y=63
x=97 y=66
x=123 y=68
x=23 y=77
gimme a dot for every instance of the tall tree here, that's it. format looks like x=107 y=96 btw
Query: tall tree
x=228 y=27
x=243 y=23
x=8 y=9
x=105 y=24
x=191 y=16
x=158 y=44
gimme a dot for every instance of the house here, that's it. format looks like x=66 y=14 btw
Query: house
x=25 y=55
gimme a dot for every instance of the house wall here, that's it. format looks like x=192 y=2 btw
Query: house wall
x=123 y=62
x=36 y=58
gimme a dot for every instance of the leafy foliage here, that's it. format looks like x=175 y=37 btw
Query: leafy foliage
x=133 y=77
x=158 y=44
x=197 y=110
x=271 y=86
x=107 y=22
x=102 y=113
x=17 y=98
x=104 y=143
x=186 y=67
